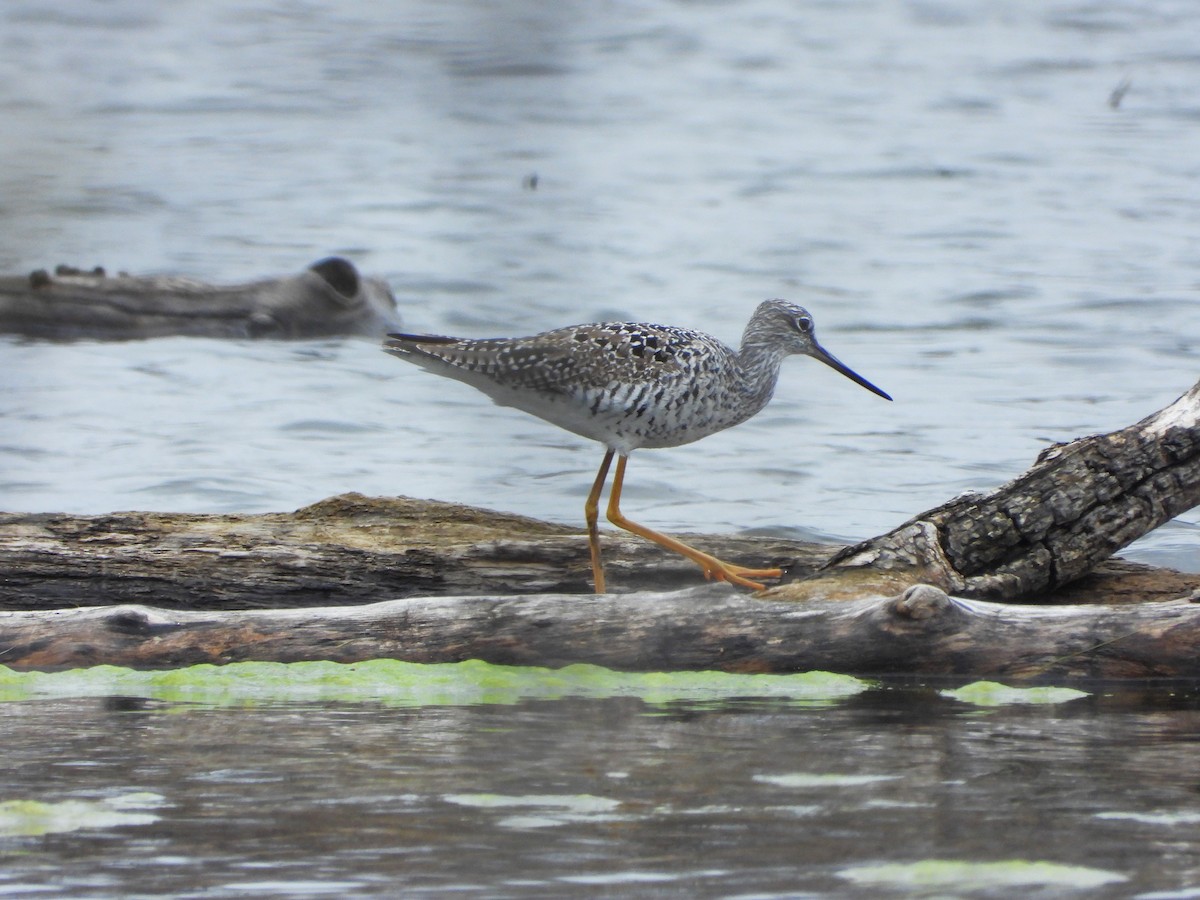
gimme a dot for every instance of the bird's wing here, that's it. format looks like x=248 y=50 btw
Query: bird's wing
x=564 y=361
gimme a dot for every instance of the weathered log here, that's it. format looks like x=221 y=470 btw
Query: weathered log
x=353 y=549
x=329 y=298
x=349 y=549
x=1080 y=503
x=922 y=631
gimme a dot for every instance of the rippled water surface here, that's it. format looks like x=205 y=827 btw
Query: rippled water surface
x=882 y=791
x=991 y=211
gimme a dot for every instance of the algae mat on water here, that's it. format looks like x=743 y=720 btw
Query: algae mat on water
x=990 y=693
x=414 y=684
x=33 y=818
x=948 y=877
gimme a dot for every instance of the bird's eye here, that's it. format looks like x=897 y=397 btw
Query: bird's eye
x=804 y=324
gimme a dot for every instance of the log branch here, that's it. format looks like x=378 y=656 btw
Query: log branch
x=1080 y=503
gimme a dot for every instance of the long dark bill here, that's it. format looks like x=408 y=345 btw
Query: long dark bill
x=834 y=363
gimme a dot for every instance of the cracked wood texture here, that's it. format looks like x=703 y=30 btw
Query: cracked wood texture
x=922 y=631
x=353 y=549
x=1080 y=503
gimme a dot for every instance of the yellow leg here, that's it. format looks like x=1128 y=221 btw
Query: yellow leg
x=591 y=511
x=713 y=567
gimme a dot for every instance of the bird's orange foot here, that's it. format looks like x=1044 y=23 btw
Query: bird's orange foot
x=740 y=575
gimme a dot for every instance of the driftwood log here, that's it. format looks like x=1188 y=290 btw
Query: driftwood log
x=1045 y=537
x=329 y=298
x=346 y=550
x=351 y=550
x=922 y=631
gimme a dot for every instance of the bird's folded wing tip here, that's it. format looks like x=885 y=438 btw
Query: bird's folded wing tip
x=396 y=338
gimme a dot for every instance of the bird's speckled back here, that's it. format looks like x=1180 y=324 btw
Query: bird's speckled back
x=626 y=385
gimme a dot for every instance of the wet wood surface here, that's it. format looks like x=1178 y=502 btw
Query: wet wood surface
x=920 y=632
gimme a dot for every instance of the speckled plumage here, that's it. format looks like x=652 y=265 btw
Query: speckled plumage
x=631 y=385
x=626 y=385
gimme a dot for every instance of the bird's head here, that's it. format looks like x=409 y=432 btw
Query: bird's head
x=788 y=329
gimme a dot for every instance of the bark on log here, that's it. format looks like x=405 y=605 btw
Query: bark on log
x=349 y=549
x=922 y=631
x=352 y=549
x=1080 y=503
x=329 y=298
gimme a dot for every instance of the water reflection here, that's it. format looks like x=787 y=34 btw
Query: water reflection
x=547 y=797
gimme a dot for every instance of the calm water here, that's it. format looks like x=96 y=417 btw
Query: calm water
x=606 y=797
x=946 y=186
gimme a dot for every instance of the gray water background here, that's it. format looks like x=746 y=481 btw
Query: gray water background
x=617 y=797
x=945 y=185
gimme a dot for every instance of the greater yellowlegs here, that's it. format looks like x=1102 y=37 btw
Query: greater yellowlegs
x=630 y=385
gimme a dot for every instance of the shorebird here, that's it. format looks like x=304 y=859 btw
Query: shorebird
x=630 y=385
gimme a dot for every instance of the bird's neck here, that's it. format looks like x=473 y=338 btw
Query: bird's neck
x=758 y=371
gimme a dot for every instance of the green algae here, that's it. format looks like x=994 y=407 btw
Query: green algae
x=32 y=818
x=954 y=875
x=415 y=684
x=991 y=693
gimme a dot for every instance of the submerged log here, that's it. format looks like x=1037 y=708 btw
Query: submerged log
x=329 y=298
x=922 y=631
